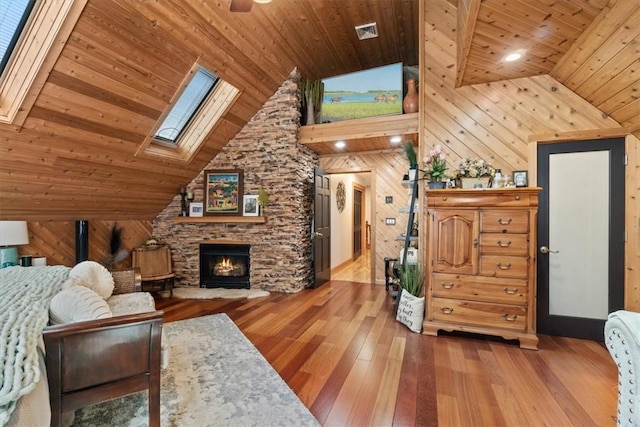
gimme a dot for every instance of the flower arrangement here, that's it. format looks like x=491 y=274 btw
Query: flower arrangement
x=435 y=165
x=474 y=168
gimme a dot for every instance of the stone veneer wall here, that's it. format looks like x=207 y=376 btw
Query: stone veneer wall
x=268 y=152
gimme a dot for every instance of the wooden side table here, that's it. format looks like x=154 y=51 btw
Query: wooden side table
x=154 y=263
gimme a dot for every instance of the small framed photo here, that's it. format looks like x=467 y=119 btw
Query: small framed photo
x=250 y=205
x=520 y=178
x=196 y=209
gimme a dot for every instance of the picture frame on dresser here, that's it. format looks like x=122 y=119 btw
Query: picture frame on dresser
x=521 y=178
x=223 y=191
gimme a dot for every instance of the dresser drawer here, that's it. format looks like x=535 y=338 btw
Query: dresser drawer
x=487 y=289
x=516 y=267
x=504 y=244
x=504 y=221
x=478 y=314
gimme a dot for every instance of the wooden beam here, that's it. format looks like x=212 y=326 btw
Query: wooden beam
x=467 y=18
x=361 y=128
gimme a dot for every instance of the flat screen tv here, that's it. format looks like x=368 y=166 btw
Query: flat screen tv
x=367 y=93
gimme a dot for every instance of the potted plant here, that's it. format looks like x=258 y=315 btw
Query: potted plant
x=311 y=92
x=263 y=199
x=410 y=310
x=435 y=165
x=412 y=157
x=474 y=173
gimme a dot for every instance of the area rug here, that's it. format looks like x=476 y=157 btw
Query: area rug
x=203 y=293
x=215 y=377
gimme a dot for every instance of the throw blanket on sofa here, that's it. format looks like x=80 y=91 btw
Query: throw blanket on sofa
x=25 y=294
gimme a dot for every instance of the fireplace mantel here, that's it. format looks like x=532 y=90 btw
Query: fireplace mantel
x=222 y=218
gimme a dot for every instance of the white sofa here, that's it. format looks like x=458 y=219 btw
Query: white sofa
x=622 y=338
x=83 y=307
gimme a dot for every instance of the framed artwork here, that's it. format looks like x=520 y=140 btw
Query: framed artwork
x=373 y=92
x=223 y=191
x=520 y=178
x=195 y=209
x=250 y=205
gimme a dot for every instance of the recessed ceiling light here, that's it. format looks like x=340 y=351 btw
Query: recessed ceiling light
x=262 y=1
x=395 y=139
x=340 y=144
x=514 y=56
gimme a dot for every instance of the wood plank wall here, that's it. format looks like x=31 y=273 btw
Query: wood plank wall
x=491 y=121
x=494 y=121
x=56 y=240
x=602 y=66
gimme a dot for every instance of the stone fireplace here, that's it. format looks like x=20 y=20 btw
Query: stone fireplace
x=225 y=266
x=268 y=152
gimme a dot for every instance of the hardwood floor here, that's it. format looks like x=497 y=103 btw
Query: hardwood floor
x=357 y=271
x=342 y=352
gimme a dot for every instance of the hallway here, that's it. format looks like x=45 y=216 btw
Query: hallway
x=358 y=271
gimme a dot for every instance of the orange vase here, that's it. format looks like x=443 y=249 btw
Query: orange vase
x=410 y=102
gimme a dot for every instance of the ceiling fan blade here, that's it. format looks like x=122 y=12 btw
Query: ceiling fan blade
x=241 y=5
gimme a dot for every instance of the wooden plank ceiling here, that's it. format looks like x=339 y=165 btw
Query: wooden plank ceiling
x=74 y=157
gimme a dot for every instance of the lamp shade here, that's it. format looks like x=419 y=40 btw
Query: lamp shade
x=13 y=233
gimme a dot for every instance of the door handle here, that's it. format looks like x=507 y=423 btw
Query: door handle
x=546 y=250
x=317 y=234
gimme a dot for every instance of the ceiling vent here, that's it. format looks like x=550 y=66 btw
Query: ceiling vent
x=367 y=31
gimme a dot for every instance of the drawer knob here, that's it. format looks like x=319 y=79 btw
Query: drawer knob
x=517 y=197
x=446 y=310
x=509 y=318
x=503 y=222
x=511 y=291
x=445 y=198
x=504 y=245
x=503 y=267
x=446 y=285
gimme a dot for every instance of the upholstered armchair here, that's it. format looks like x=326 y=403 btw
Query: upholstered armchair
x=97 y=360
x=622 y=337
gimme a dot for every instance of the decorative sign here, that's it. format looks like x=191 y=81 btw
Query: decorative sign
x=341 y=196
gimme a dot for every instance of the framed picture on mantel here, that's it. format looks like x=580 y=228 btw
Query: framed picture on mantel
x=223 y=191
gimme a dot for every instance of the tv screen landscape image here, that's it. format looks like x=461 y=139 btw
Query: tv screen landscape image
x=367 y=93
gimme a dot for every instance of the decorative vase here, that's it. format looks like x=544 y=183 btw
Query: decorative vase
x=410 y=101
x=413 y=170
x=437 y=185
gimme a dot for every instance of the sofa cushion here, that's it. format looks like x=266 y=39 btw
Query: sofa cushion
x=76 y=304
x=95 y=276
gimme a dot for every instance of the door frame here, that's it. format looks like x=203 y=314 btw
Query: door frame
x=363 y=205
x=372 y=190
x=631 y=299
x=585 y=327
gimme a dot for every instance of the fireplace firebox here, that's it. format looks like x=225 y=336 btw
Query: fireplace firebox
x=224 y=266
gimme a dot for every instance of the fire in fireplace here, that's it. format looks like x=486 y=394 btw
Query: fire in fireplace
x=224 y=266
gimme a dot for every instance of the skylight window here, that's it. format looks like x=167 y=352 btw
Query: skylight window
x=200 y=101
x=186 y=106
x=13 y=17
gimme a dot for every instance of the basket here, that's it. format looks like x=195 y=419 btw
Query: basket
x=480 y=182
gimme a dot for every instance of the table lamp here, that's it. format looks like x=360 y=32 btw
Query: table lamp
x=12 y=233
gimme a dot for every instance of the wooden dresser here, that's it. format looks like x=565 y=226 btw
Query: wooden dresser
x=481 y=262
